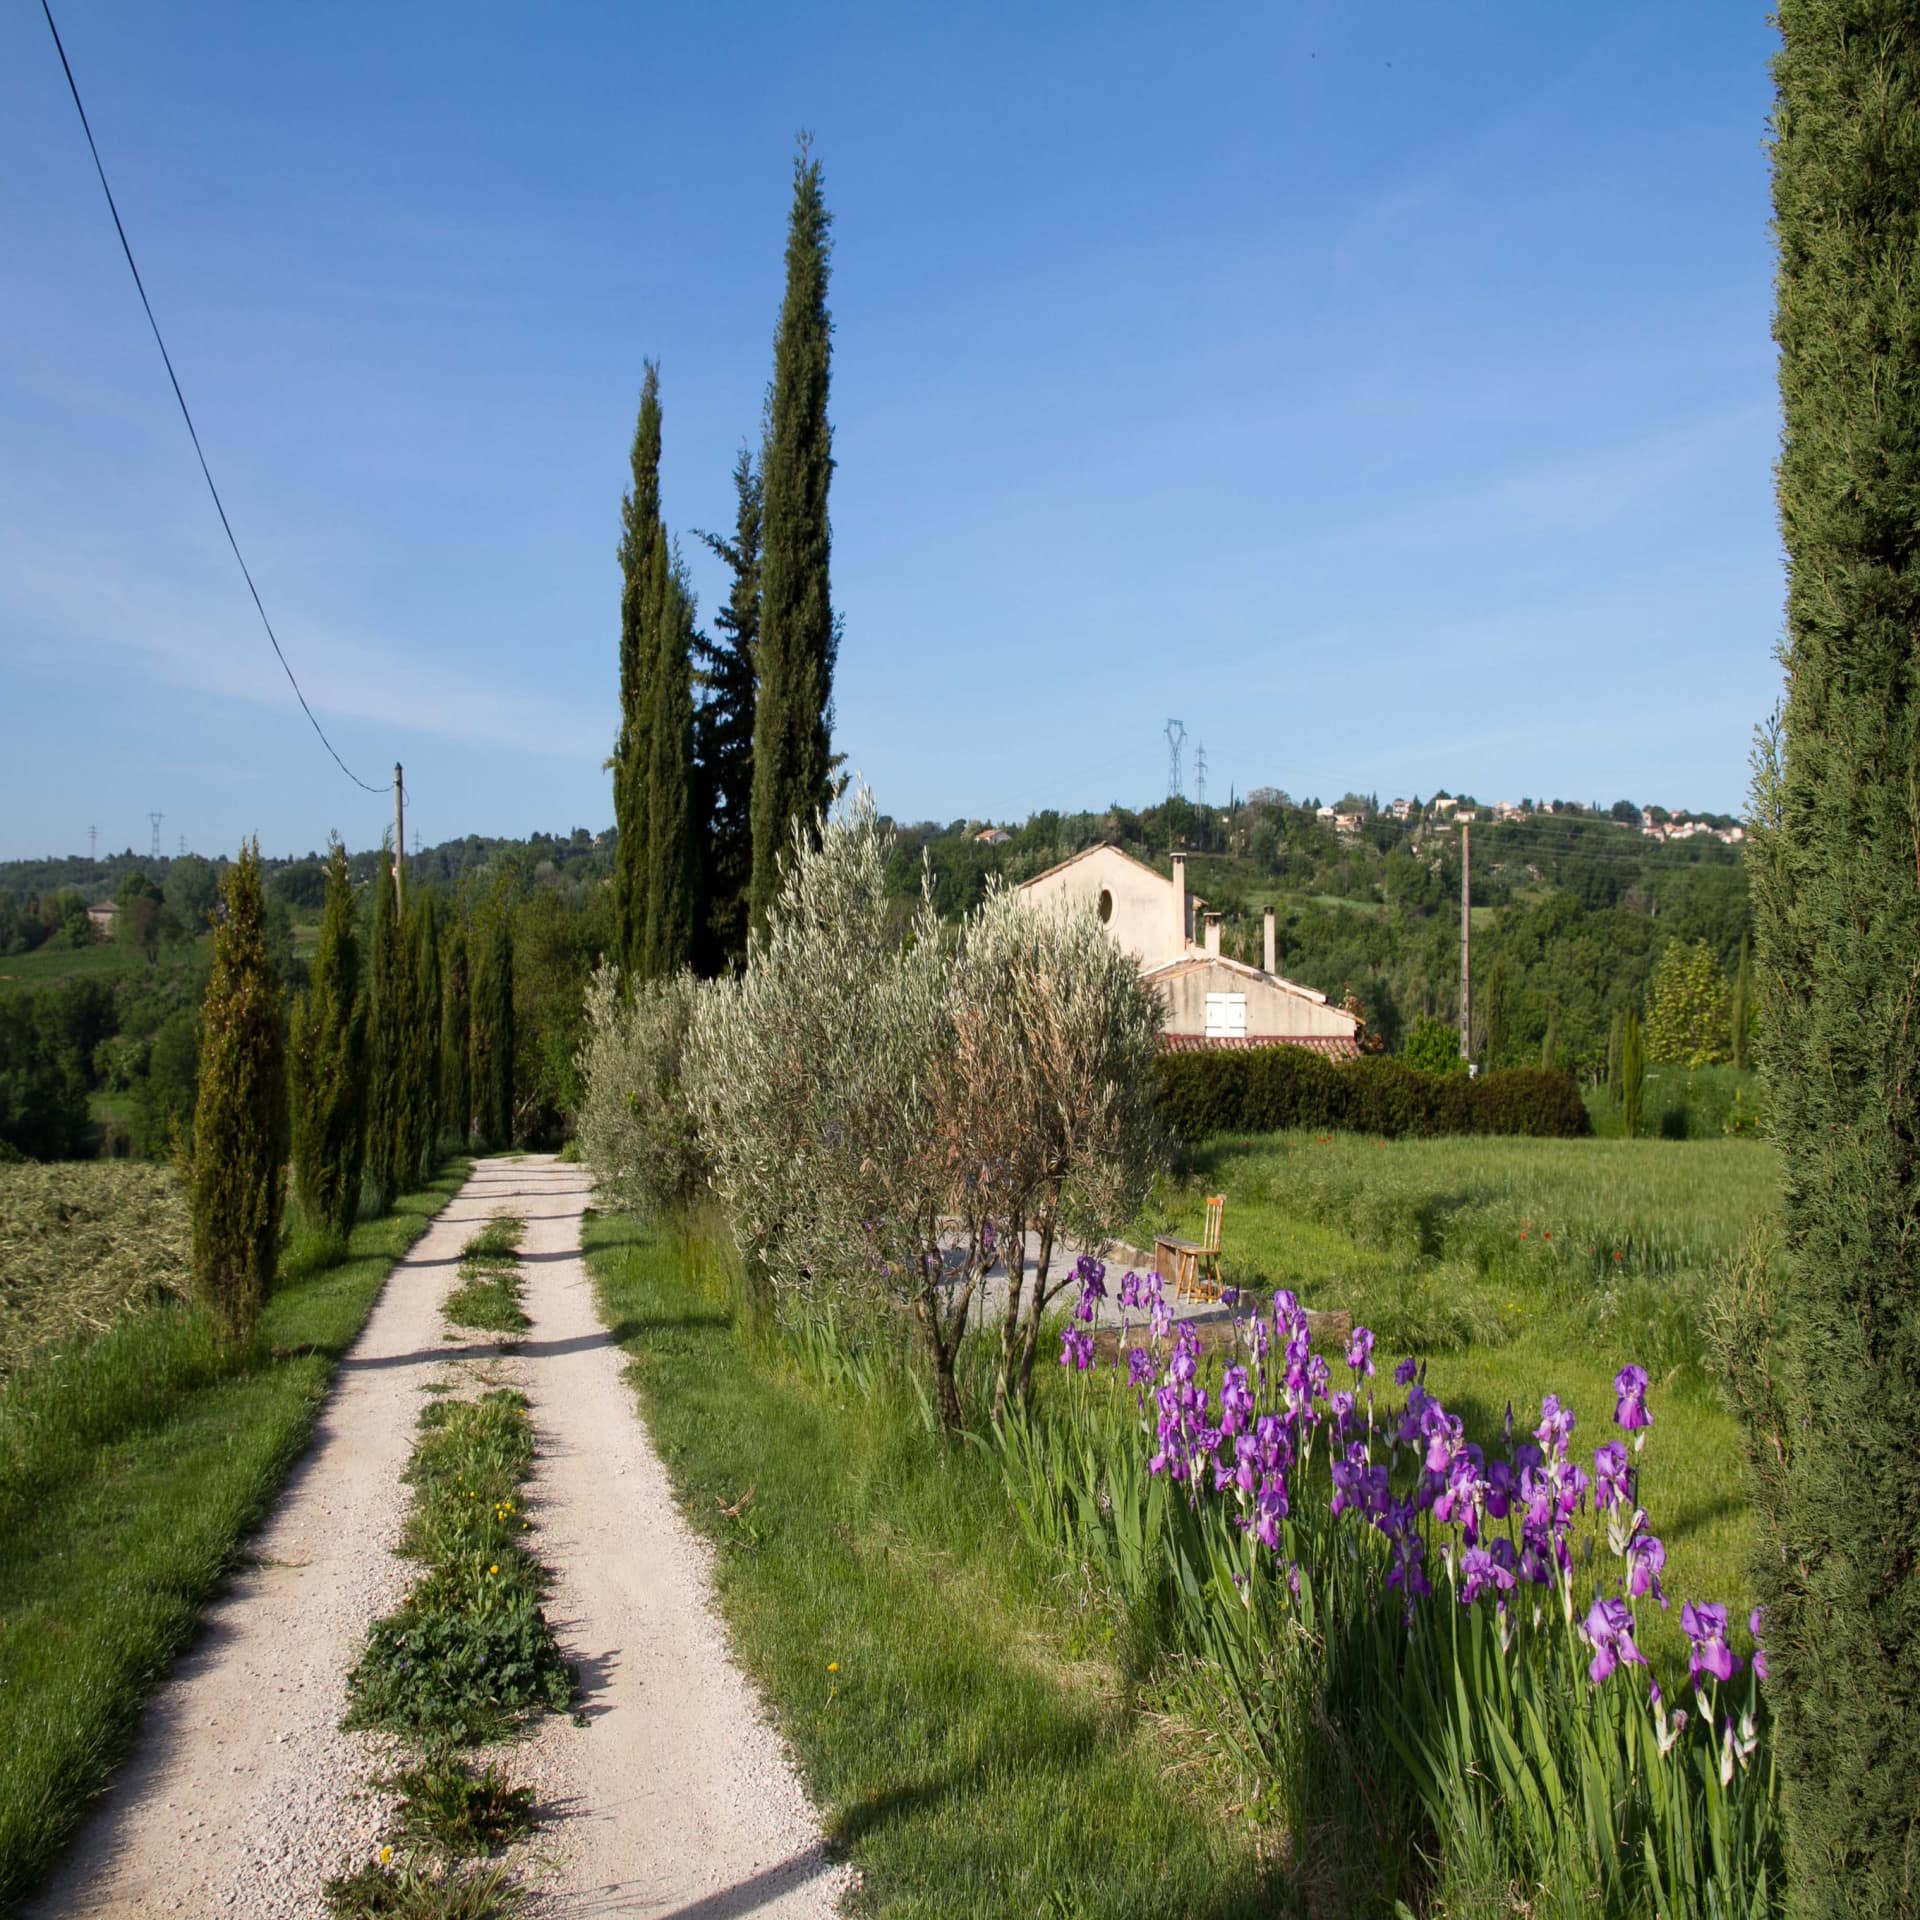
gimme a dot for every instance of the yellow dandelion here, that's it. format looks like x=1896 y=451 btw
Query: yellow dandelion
x=494 y=1569
x=386 y=1854
x=833 y=1666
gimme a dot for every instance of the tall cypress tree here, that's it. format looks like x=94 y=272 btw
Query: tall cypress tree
x=327 y=1065
x=420 y=1114
x=641 y=539
x=456 y=1097
x=492 y=1026
x=388 y=1010
x=240 y=1117
x=671 y=886
x=723 y=736
x=792 y=752
x=1837 y=925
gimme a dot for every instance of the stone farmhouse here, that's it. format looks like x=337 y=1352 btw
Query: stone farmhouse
x=1211 y=1001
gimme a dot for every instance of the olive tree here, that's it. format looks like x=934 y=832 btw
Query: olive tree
x=886 y=1115
x=1043 y=1097
x=810 y=1075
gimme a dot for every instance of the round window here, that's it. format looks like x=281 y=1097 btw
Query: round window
x=1105 y=908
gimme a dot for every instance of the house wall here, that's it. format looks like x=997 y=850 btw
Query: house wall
x=1145 y=918
x=1272 y=1012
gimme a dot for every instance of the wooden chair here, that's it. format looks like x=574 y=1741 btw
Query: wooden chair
x=1194 y=1265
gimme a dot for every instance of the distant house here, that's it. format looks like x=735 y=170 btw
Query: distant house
x=1349 y=822
x=1442 y=803
x=1323 y=813
x=1466 y=816
x=103 y=914
x=1211 y=1001
x=1401 y=809
x=1731 y=835
x=992 y=836
x=1506 y=810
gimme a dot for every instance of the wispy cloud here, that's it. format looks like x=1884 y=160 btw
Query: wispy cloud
x=68 y=621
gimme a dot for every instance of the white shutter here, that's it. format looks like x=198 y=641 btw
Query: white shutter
x=1226 y=1016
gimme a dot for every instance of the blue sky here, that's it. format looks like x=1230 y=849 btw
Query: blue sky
x=1384 y=391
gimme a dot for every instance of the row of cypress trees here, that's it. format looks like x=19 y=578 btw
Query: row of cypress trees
x=386 y=1066
x=707 y=790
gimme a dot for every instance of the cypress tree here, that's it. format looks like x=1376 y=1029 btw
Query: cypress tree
x=420 y=1110
x=641 y=538
x=792 y=753
x=1837 y=925
x=240 y=1117
x=327 y=1065
x=671 y=887
x=492 y=1027
x=1633 y=1075
x=1615 y=1034
x=723 y=736
x=456 y=1099
x=388 y=1010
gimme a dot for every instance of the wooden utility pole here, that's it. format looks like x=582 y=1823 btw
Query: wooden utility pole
x=399 y=842
x=1466 y=944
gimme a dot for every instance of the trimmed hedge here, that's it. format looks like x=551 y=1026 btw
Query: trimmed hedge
x=1269 y=1089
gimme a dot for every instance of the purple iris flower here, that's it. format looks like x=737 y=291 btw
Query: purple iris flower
x=1759 y=1652
x=1268 y=1511
x=1556 y=1424
x=1481 y=1572
x=1404 y=1372
x=1350 y=1479
x=1609 y=1626
x=1139 y=1367
x=1612 y=1478
x=1130 y=1290
x=1706 y=1627
x=1408 y=1571
x=1645 y=1558
x=1319 y=1377
x=1630 y=1408
x=1076 y=1349
x=1360 y=1352
x=1501 y=1487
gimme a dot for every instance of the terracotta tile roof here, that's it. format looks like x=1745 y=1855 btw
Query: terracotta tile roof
x=1335 y=1046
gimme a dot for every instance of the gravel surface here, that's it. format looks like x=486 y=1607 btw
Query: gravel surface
x=675 y=1797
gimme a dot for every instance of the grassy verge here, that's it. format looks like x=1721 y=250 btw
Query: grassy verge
x=969 y=1757
x=131 y=1469
x=468 y=1652
x=488 y=1296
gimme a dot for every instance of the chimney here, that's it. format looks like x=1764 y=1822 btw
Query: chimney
x=1271 y=968
x=1213 y=936
x=1182 y=931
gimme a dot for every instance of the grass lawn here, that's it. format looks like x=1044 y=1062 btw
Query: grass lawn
x=1518 y=1268
x=967 y=1756
x=48 y=965
x=132 y=1466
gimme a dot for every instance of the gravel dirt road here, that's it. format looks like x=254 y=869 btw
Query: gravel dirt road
x=671 y=1797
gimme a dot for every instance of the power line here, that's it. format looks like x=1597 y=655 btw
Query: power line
x=185 y=414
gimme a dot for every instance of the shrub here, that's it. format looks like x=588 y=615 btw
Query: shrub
x=1272 y=1089
x=1433 y=1046
x=635 y=1126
